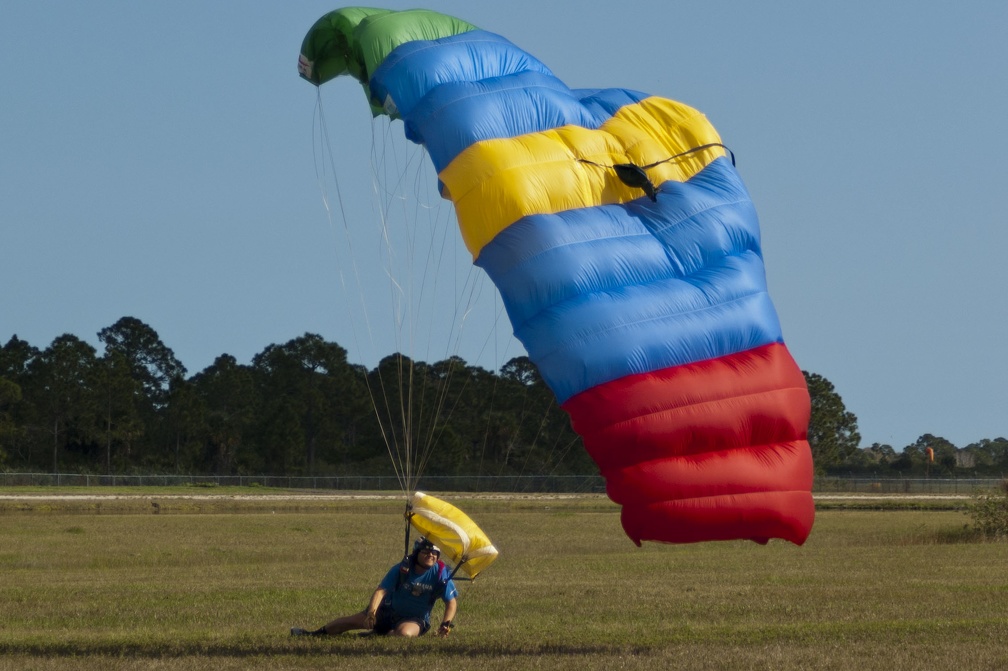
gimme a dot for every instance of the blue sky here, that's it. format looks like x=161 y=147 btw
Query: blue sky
x=161 y=160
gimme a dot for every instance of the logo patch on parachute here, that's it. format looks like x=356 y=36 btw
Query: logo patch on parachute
x=305 y=67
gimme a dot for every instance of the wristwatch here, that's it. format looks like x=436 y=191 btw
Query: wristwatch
x=448 y=624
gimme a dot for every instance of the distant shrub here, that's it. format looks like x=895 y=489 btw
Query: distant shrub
x=989 y=513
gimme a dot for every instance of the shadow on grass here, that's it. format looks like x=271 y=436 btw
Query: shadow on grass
x=341 y=646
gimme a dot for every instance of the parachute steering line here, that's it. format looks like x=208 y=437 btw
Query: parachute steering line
x=635 y=176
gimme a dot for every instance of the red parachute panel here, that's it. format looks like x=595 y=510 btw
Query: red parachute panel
x=705 y=451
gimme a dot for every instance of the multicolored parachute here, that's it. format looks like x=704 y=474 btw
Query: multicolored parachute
x=627 y=253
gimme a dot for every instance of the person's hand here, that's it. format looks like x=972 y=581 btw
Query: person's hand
x=369 y=619
x=445 y=629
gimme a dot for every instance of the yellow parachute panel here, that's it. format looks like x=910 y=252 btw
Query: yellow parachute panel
x=462 y=543
x=494 y=183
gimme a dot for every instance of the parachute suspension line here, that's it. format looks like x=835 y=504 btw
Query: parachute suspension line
x=412 y=410
x=408 y=515
x=535 y=438
x=422 y=269
x=493 y=395
x=324 y=158
x=472 y=288
x=539 y=432
x=423 y=393
x=405 y=400
x=402 y=407
x=469 y=294
x=387 y=184
x=443 y=383
x=556 y=453
x=328 y=155
x=394 y=410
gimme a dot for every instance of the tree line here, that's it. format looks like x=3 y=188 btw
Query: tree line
x=301 y=408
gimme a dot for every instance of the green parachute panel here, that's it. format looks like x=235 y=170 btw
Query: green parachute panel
x=355 y=41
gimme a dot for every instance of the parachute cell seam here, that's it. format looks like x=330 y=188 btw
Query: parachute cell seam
x=584 y=334
x=615 y=289
x=473 y=35
x=756 y=450
x=529 y=258
x=444 y=109
x=694 y=501
x=672 y=410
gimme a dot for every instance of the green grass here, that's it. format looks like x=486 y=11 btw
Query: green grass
x=216 y=584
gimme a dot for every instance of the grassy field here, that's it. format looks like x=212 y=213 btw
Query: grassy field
x=162 y=582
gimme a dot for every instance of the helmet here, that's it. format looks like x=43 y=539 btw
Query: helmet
x=425 y=544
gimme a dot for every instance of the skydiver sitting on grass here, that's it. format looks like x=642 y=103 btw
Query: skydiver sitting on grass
x=402 y=603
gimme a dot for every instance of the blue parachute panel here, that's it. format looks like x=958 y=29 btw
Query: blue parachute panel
x=598 y=293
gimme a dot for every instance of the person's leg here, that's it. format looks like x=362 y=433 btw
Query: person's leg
x=337 y=626
x=347 y=623
x=407 y=628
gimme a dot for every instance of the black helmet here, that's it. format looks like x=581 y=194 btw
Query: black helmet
x=425 y=544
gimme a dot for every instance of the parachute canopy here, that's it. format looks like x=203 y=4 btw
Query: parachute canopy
x=462 y=542
x=626 y=250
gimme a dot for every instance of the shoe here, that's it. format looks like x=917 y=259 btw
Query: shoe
x=298 y=631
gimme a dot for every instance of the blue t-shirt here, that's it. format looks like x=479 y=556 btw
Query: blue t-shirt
x=410 y=597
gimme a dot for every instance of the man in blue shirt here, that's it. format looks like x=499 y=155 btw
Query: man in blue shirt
x=402 y=603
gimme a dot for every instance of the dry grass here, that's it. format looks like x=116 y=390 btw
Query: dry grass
x=192 y=588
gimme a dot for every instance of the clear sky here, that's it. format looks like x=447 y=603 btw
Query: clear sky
x=160 y=160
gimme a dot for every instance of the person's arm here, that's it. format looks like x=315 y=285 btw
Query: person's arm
x=372 y=609
x=449 y=615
